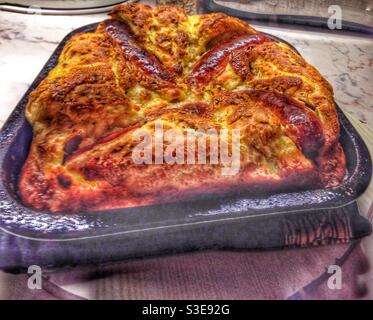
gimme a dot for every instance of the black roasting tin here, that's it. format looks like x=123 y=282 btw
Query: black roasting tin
x=55 y=240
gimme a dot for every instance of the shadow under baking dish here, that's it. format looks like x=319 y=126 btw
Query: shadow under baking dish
x=21 y=221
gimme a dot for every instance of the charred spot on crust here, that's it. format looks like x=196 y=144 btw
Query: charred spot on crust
x=197 y=108
x=64 y=181
x=71 y=146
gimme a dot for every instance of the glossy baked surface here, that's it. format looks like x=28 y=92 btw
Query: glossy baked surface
x=146 y=66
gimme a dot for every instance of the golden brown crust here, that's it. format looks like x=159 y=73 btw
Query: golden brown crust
x=216 y=28
x=157 y=65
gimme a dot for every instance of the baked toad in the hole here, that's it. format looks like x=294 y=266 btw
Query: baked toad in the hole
x=149 y=66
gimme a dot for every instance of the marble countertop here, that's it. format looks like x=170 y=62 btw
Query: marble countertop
x=346 y=59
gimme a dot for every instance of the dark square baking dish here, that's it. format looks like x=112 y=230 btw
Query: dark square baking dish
x=162 y=227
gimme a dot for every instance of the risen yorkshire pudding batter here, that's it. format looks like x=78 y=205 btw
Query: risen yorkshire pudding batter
x=158 y=65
